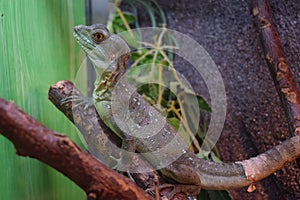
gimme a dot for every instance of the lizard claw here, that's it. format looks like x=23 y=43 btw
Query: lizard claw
x=169 y=195
x=77 y=101
x=176 y=188
x=121 y=165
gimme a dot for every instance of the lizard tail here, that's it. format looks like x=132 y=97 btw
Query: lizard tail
x=220 y=176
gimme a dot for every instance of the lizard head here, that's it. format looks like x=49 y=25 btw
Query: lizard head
x=108 y=52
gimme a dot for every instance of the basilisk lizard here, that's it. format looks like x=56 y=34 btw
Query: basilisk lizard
x=109 y=53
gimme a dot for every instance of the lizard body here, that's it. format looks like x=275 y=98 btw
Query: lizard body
x=109 y=53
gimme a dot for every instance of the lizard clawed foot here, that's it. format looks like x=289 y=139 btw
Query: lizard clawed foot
x=120 y=165
x=123 y=163
x=177 y=188
x=77 y=101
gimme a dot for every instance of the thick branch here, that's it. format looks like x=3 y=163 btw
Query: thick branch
x=32 y=139
x=281 y=73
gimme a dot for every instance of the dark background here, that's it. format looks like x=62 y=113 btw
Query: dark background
x=255 y=119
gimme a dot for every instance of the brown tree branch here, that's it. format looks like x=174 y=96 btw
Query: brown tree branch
x=281 y=73
x=33 y=139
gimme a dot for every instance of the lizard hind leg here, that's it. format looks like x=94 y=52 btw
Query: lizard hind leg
x=187 y=190
x=184 y=179
x=119 y=165
x=124 y=162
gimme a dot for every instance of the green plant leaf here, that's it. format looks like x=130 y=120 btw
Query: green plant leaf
x=203 y=103
x=174 y=122
x=117 y=23
x=132 y=38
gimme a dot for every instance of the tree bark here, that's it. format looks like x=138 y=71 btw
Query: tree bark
x=33 y=139
x=281 y=73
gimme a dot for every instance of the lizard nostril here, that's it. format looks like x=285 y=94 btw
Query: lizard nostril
x=78 y=28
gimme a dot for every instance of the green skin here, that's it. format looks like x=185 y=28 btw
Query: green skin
x=109 y=53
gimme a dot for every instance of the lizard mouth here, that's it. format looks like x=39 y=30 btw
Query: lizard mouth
x=83 y=40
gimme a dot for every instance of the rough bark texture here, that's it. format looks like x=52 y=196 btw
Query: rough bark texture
x=281 y=73
x=226 y=29
x=32 y=139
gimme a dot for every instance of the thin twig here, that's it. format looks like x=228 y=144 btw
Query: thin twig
x=278 y=65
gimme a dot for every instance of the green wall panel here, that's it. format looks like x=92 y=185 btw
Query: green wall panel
x=37 y=49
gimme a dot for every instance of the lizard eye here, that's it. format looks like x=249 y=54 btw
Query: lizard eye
x=98 y=37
